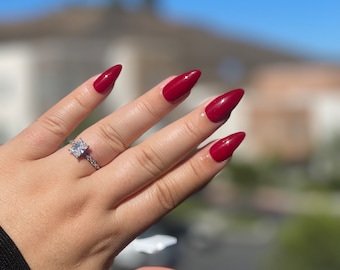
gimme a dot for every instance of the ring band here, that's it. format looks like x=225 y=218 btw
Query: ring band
x=79 y=148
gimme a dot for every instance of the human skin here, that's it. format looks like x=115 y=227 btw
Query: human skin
x=64 y=214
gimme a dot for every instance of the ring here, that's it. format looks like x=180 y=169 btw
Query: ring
x=79 y=148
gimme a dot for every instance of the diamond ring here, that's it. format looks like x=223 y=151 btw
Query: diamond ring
x=79 y=148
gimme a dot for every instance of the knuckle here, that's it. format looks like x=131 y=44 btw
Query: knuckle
x=166 y=195
x=146 y=108
x=150 y=161
x=79 y=101
x=197 y=172
x=192 y=129
x=55 y=124
x=113 y=138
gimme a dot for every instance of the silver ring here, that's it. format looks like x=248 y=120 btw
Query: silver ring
x=79 y=149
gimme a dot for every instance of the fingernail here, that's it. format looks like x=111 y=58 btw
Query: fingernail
x=181 y=85
x=224 y=148
x=107 y=79
x=221 y=107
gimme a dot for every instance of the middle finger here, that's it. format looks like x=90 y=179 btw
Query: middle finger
x=140 y=165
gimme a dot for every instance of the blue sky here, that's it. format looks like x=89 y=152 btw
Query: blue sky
x=309 y=27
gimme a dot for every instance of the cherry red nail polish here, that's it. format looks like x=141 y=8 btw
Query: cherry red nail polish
x=224 y=148
x=221 y=107
x=107 y=79
x=181 y=85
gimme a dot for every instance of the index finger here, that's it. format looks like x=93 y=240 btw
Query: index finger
x=49 y=131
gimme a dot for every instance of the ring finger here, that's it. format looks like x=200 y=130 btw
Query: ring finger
x=114 y=134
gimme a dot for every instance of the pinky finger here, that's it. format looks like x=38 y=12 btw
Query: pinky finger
x=166 y=193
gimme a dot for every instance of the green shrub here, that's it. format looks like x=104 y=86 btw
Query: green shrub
x=309 y=243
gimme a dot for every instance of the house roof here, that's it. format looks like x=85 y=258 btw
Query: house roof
x=198 y=48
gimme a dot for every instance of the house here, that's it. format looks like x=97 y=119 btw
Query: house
x=286 y=96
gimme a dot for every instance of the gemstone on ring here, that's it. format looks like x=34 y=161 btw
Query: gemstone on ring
x=79 y=148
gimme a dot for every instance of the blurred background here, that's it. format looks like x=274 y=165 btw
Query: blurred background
x=277 y=204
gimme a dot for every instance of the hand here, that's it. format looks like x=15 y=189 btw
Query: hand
x=63 y=213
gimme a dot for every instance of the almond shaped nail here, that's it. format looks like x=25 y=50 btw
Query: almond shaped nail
x=107 y=79
x=224 y=148
x=221 y=107
x=181 y=85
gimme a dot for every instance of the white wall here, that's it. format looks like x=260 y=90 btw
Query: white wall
x=16 y=88
x=325 y=112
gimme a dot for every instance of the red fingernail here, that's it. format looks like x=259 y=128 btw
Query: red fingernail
x=107 y=79
x=221 y=107
x=181 y=85
x=224 y=148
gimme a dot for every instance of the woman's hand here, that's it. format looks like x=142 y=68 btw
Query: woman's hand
x=63 y=213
